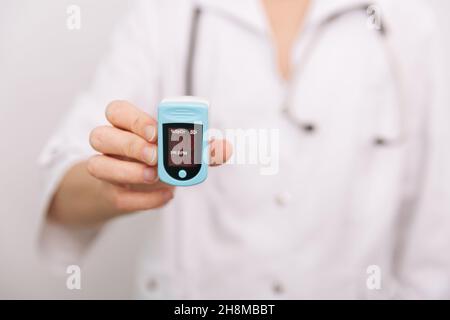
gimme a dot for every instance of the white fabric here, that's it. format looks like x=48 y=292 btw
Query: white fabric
x=339 y=203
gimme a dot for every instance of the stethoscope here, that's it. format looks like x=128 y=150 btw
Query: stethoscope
x=379 y=139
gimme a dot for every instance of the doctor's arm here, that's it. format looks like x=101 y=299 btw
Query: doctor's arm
x=122 y=178
x=83 y=188
x=424 y=261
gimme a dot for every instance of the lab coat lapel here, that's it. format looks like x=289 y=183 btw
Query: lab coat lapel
x=322 y=10
x=249 y=13
x=252 y=14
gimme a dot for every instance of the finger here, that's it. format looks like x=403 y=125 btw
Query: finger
x=126 y=116
x=121 y=172
x=131 y=201
x=110 y=140
x=150 y=187
x=220 y=152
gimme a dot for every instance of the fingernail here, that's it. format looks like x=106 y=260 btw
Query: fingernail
x=150 y=133
x=150 y=155
x=149 y=175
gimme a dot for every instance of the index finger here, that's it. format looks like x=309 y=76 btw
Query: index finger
x=220 y=151
x=126 y=116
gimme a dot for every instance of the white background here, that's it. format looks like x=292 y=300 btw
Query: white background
x=43 y=66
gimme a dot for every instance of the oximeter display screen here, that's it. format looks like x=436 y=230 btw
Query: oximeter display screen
x=182 y=149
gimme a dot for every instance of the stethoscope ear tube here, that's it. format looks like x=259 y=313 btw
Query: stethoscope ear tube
x=193 y=37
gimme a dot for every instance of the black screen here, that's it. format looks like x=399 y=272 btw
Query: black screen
x=182 y=148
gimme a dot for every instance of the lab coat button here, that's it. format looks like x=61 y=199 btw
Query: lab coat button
x=152 y=284
x=277 y=288
x=380 y=142
x=308 y=127
x=282 y=199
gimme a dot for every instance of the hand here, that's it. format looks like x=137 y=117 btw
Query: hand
x=126 y=166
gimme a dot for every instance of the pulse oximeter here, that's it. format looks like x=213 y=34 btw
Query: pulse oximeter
x=182 y=143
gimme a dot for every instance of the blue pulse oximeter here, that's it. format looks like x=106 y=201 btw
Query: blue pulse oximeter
x=182 y=142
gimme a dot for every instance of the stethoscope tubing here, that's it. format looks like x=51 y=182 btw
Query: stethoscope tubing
x=287 y=106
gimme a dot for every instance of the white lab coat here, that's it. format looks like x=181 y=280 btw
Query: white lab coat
x=339 y=203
